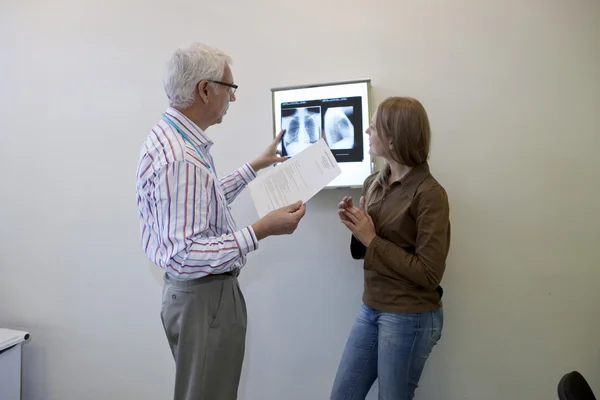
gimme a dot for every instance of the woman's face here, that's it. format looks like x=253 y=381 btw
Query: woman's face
x=376 y=142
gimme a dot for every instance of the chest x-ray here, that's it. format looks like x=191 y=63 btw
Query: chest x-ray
x=303 y=128
x=338 y=113
x=339 y=130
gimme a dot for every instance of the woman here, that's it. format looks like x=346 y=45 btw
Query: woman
x=402 y=230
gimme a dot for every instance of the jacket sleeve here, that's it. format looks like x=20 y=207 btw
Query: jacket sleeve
x=357 y=249
x=425 y=266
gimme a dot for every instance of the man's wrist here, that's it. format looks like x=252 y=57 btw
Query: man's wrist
x=260 y=230
x=256 y=165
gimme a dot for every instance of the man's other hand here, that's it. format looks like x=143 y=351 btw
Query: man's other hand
x=270 y=156
x=282 y=221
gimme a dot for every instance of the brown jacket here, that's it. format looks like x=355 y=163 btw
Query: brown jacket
x=404 y=264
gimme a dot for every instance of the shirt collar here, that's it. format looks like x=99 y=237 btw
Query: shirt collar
x=415 y=176
x=190 y=128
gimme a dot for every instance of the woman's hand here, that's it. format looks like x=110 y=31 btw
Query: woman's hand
x=342 y=206
x=358 y=221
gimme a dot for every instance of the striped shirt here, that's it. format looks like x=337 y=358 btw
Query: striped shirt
x=185 y=218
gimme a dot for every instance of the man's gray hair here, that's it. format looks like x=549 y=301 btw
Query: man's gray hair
x=188 y=66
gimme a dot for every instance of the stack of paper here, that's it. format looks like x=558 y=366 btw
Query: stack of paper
x=298 y=178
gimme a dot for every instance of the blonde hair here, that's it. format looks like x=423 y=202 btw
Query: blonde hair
x=404 y=122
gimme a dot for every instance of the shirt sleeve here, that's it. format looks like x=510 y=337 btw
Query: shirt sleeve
x=426 y=265
x=235 y=182
x=187 y=214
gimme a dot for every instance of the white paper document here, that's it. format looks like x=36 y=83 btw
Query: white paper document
x=298 y=178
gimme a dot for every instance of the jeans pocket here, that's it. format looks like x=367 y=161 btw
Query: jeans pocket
x=437 y=325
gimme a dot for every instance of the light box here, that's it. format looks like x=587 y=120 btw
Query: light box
x=339 y=112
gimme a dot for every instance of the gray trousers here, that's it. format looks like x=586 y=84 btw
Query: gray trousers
x=205 y=322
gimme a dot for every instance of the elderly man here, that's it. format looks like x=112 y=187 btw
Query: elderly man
x=188 y=230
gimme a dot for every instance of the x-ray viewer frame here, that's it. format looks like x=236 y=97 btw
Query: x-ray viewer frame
x=340 y=112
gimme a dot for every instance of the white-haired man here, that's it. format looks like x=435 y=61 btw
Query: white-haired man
x=187 y=228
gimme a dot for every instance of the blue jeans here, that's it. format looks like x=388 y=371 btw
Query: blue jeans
x=391 y=347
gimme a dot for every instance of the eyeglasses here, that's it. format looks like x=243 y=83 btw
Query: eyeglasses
x=232 y=87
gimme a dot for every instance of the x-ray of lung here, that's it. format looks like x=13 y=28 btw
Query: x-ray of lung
x=339 y=130
x=338 y=120
x=303 y=128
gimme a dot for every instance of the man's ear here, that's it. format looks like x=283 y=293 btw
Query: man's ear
x=203 y=89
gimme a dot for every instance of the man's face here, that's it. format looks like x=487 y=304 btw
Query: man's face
x=223 y=96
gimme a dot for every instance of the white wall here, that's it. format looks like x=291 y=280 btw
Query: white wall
x=513 y=92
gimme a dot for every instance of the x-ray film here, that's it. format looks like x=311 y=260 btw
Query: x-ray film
x=339 y=113
x=302 y=128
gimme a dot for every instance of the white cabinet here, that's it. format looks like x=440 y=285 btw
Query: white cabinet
x=10 y=363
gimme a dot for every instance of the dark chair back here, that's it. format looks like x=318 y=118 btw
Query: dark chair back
x=573 y=386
